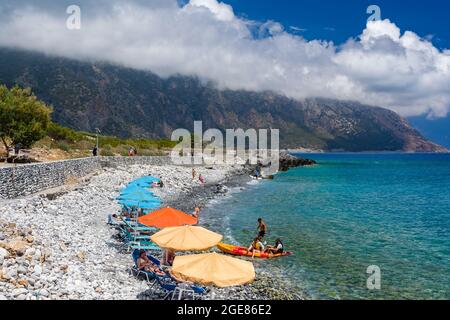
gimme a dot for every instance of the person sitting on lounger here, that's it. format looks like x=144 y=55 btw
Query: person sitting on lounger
x=278 y=248
x=144 y=263
x=125 y=213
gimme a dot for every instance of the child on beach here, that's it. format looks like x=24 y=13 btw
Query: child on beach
x=202 y=179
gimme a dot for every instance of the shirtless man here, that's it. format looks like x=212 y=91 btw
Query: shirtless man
x=262 y=228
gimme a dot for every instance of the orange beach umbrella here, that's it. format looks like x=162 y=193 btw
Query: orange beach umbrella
x=167 y=217
x=186 y=238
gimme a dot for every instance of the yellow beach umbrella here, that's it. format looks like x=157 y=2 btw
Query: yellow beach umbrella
x=213 y=269
x=186 y=238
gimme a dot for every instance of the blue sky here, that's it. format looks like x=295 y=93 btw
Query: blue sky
x=340 y=20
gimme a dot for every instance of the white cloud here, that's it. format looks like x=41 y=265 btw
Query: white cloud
x=383 y=66
x=221 y=10
x=297 y=29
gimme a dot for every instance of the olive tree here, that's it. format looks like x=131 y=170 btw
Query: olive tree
x=23 y=118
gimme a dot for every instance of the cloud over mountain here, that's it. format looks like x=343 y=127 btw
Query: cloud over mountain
x=383 y=66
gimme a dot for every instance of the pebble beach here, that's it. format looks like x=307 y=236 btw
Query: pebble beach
x=57 y=244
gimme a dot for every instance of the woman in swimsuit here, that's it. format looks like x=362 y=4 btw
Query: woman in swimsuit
x=144 y=263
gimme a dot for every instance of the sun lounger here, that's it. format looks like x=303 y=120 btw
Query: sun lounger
x=166 y=284
x=143 y=245
x=171 y=287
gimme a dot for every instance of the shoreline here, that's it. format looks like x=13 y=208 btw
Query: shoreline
x=73 y=254
x=266 y=286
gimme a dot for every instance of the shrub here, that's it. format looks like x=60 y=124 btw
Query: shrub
x=63 y=146
x=58 y=132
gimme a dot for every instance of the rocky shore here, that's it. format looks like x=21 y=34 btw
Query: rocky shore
x=288 y=161
x=57 y=244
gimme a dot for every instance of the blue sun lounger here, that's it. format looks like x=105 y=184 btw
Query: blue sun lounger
x=148 y=275
x=166 y=284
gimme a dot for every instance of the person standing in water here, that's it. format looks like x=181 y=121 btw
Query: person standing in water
x=196 y=212
x=262 y=228
x=194 y=173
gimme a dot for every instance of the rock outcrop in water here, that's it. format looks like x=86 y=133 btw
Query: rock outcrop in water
x=288 y=161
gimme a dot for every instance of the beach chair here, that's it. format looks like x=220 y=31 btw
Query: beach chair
x=132 y=234
x=174 y=289
x=143 y=245
x=113 y=222
x=167 y=284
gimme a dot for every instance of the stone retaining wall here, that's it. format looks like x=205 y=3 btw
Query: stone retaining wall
x=23 y=180
x=128 y=161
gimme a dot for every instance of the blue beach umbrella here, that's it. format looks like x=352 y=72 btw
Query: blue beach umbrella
x=136 y=194
x=138 y=197
x=142 y=205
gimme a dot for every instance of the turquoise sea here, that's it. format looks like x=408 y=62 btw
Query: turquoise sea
x=347 y=213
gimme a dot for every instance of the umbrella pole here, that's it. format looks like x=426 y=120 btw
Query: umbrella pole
x=213 y=293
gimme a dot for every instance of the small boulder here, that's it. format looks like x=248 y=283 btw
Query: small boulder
x=19 y=291
x=29 y=239
x=23 y=282
x=82 y=256
x=18 y=246
x=43 y=293
x=30 y=252
x=37 y=270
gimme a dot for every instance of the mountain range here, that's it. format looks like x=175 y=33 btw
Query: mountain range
x=134 y=103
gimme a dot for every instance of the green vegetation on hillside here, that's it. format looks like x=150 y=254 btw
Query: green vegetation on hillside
x=26 y=121
x=69 y=140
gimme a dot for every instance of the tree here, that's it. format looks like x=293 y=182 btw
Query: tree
x=23 y=118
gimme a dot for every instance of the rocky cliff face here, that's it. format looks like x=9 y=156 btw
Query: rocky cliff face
x=128 y=102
